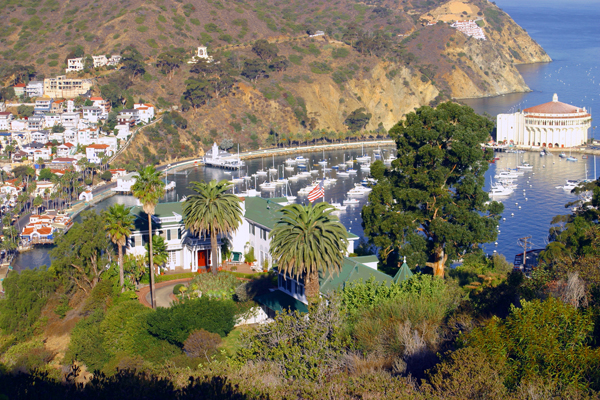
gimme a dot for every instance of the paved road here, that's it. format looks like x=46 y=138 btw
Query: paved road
x=163 y=298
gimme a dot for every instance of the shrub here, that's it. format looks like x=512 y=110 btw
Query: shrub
x=249 y=290
x=87 y=344
x=176 y=288
x=220 y=286
x=106 y=176
x=201 y=343
x=142 y=28
x=175 y=324
x=340 y=53
x=318 y=67
x=296 y=59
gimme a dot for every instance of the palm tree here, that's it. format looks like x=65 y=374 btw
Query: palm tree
x=118 y=222
x=149 y=188
x=212 y=211
x=159 y=251
x=308 y=240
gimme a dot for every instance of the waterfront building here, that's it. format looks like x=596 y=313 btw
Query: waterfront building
x=553 y=124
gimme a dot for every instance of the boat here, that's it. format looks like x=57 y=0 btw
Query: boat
x=273 y=169
x=329 y=181
x=525 y=165
x=499 y=190
x=542 y=153
x=571 y=184
x=351 y=202
x=562 y=155
x=364 y=158
x=335 y=167
x=300 y=159
x=338 y=206
x=505 y=174
x=261 y=172
x=246 y=177
x=268 y=186
x=584 y=156
x=323 y=161
x=391 y=158
x=294 y=177
x=290 y=161
x=351 y=171
x=350 y=161
x=571 y=158
x=289 y=168
x=343 y=174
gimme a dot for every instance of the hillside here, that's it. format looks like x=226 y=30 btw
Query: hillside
x=380 y=57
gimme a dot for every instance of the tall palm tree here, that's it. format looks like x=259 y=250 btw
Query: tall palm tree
x=118 y=223
x=211 y=212
x=308 y=240
x=149 y=188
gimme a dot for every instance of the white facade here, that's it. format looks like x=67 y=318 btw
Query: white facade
x=18 y=124
x=551 y=125
x=99 y=61
x=5 y=120
x=70 y=120
x=34 y=89
x=51 y=119
x=39 y=136
x=43 y=153
x=125 y=182
x=122 y=131
x=146 y=112
x=92 y=114
x=74 y=64
x=95 y=152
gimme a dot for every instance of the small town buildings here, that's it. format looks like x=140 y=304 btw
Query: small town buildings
x=34 y=89
x=65 y=150
x=92 y=114
x=74 y=64
x=101 y=103
x=129 y=117
x=146 y=112
x=18 y=124
x=69 y=120
x=35 y=122
x=58 y=106
x=19 y=89
x=63 y=87
x=40 y=136
x=5 y=120
x=64 y=163
x=100 y=61
x=117 y=173
x=87 y=136
x=42 y=186
x=114 y=60
x=125 y=182
x=43 y=104
x=95 y=152
x=51 y=119
x=42 y=229
x=86 y=195
x=19 y=156
x=553 y=124
x=41 y=154
x=469 y=28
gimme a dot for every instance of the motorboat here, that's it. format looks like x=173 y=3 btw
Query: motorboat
x=300 y=159
x=571 y=158
x=268 y=186
x=525 y=166
x=261 y=172
x=281 y=181
x=499 y=190
x=351 y=202
x=289 y=168
x=562 y=155
x=323 y=162
x=351 y=171
x=290 y=161
x=343 y=174
x=505 y=174
x=571 y=184
x=335 y=167
x=339 y=206
x=350 y=162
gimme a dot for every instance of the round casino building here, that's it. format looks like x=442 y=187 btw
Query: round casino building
x=553 y=124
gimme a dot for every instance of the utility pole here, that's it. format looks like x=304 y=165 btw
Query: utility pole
x=525 y=243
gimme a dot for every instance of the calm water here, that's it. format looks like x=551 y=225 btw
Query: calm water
x=570 y=33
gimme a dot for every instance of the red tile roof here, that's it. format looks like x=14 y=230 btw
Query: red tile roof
x=20 y=85
x=554 y=107
x=96 y=98
x=98 y=146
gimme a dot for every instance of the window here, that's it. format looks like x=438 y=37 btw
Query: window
x=178 y=233
x=299 y=289
x=168 y=234
x=288 y=285
x=132 y=241
x=252 y=229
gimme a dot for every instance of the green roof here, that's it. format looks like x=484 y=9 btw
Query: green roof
x=162 y=210
x=279 y=199
x=352 y=270
x=280 y=301
x=267 y=212
x=403 y=274
x=366 y=259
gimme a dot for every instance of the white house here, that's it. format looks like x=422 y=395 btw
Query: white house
x=122 y=131
x=87 y=136
x=129 y=116
x=5 y=120
x=114 y=60
x=95 y=152
x=74 y=64
x=70 y=120
x=92 y=114
x=44 y=153
x=86 y=195
x=35 y=122
x=39 y=136
x=65 y=150
x=34 y=89
x=99 y=61
x=41 y=186
x=125 y=181
x=146 y=112
x=18 y=124
x=51 y=119
x=102 y=104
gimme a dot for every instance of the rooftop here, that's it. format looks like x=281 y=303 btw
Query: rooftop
x=554 y=107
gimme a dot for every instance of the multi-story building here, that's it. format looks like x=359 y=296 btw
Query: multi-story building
x=146 y=112
x=5 y=119
x=92 y=114
x=69 y=120
x=34 y=89
x=103 y=104
x=129 y=117
x=74 y=64
x=99 y=61
x=43 y=104
x=63 y=87
x=95 y=152
x=35 y=122
x=19 y=89
x=51 y=119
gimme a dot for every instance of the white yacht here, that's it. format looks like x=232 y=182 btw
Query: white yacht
x=351 y=171
x=339 y=206
x=289 y=168
x=343 y=174
x=499 y=190
x=351 y=202
x=525 y=165
x=261 y=172
x=290 y=161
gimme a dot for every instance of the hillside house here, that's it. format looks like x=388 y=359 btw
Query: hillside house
x=128 y=117
x=102 y=104
x=95 y=152
x=64 y=163
x=125 y=182
x=34 y=89
x=43 y=154
x=74 y=65
x=146 y=112
x=87 y=136
x=64 y=88
x=92 y=114
x=43 y=104
x=35 y=122
x=19 y=156
x=40 y=136
x=41 y=186
x=5 y=119
x=69 y=120
x=51 y=119
x=114 y=60
x=58 y=106
x=122 y=131
x=19 y=89
x=18 y=124
x=65 y=150
x=99 y=61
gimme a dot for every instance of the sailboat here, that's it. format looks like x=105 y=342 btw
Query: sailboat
x=364 y=158
x=262 y=172
x=571 y=158
x=273 y=169
x=343 y=164
x=288 y=193
x=323 y=162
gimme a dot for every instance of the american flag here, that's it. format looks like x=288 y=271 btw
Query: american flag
x=317 y=192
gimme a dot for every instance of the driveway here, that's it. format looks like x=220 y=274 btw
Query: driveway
x=163 y=295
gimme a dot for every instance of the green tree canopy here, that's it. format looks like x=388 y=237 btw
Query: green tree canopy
x=133 y=61
x=118 y=224
x=265 y=50
x=82 y=254
x=25 y=111
x=307 y=241
x=430 y=204
x=170 y=60
x=46 y=174
x=358 y=119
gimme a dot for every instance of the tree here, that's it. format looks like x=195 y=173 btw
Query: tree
x=81 y=254
x=212 y=212
x=106 y=176
x=307 y=241
x=159 y=252
x=358 y=119
x=118 y=223
x=254 y=69
x=265 y=50
x=46 y=174
x=149 y=188
x=37 y=203
x=58 y=128
x=133 y=61
x=170 y=60
x=25 y=111
x=430 y=204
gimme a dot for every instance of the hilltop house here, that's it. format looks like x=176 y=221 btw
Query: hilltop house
x=74 y=65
